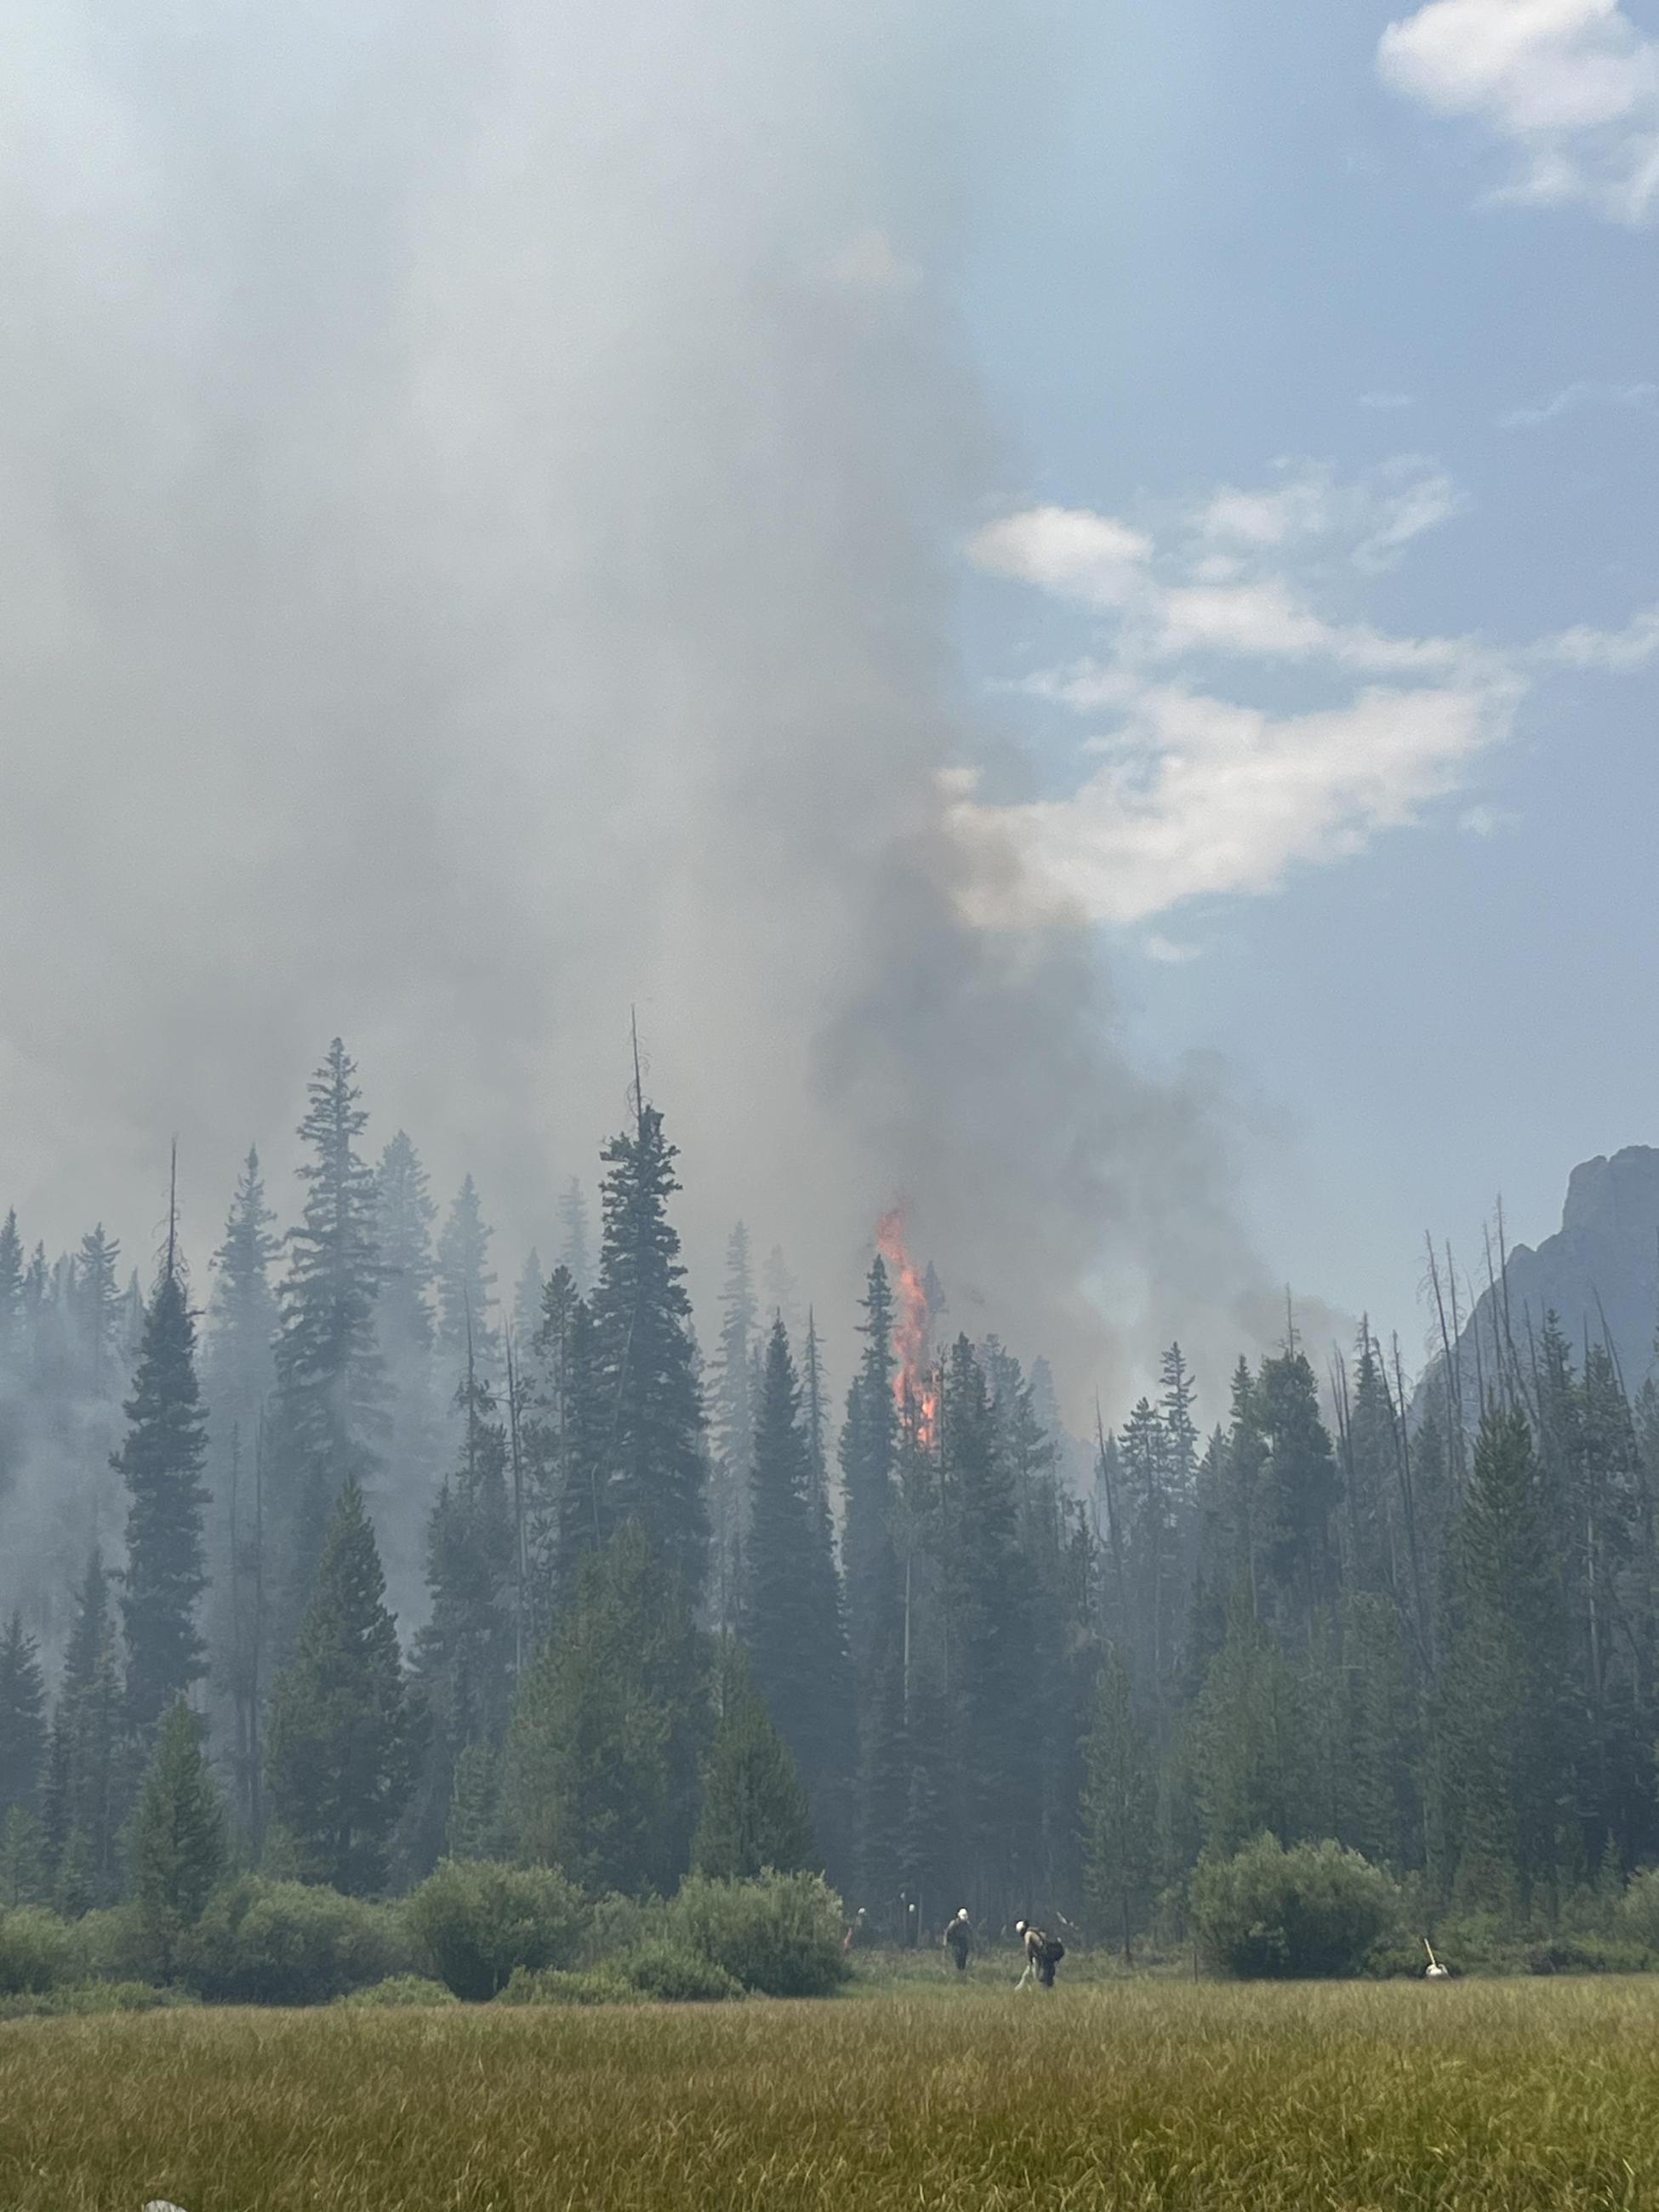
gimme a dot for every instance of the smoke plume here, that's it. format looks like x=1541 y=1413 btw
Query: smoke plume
x=482 y=488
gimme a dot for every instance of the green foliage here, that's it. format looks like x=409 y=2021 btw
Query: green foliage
x=1637 y=1915
x=755 y=1813
x=673 y=1973
x=602 y=1756
x=400 y=1990
x=1268 y=1913
x=343 y=1740
x=286 y=1943
x=554 y=1985
x=1119 y=1807
x=160 y=1463
x=476 y=1920
x=178 y=1837
x=22 y=1719
x=37 y=1950
x=617 y=1923
x=23 y=1877
x=80 y=2000
x=780 y=1935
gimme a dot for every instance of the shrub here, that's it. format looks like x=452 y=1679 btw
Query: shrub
x=81 y=1997
x=1315 y=1909
x=780 y=1934
x=553 y=1986
x=1636 y=1917
x=401 y=1990
x=478 y=1919
x=673 y=1973
x=1584 y=1952
x=617 y=1923
x=37 y=1951
x=286 y=1943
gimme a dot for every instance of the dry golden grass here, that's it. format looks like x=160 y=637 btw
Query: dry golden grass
x=1511 y=2095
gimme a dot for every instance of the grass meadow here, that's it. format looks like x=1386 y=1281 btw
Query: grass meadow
x=1541 y=2093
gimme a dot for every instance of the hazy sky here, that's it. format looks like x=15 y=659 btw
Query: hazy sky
x=1063 y=595
x=1342 y=321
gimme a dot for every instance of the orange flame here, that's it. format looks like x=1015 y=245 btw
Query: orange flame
x=915 y=1388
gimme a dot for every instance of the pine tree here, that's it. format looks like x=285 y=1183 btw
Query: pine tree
x=239 y=1372
x=791 y=1609
x=1298 y=1489
x=1247 y=1741
x=575 y=1253
x=161 y=1465
x=607 y=1732
x=1504 y=1738
x=343 y=1740
x=403 y=1215
x=733 y=1408
x=96 y=1298
x=755 y=1817
x=11 y=1295
x=869 y=1451
x=329 y=1408
x=80 y=1811
x=23 y=1718
x=563 y=1439
x=179 y=1848
x=1119 y=1807
x=993 y=1652
x=466 y=1291
x=646 y=1359
x=464 y=1656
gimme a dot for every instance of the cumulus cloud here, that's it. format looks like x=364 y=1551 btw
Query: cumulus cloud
x=1066 y=549
x=1571 y=87
x=1202 y=782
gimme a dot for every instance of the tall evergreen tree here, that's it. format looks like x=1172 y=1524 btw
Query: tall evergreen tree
x=1298 y=1489
x=466 y=1291
x=343 y=1739
x=179 y=1848
x=1503 y=1738
x=330 y=1411
x=575 y=1244
x=733 y=1410
x=81 y=1799
x=756 y=1817
x=869 y=1453
x=96 y=1300
x=23 y=1718
x=1119 y=1807
x=654 y=1465
x=162 y=1464
x=791 y=1603
x=608 y=1730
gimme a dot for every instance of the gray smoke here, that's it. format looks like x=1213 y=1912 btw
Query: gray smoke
x=481 y=487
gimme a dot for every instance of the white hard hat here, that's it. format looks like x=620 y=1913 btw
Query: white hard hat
x=962 y=1912
x=1019 y=1927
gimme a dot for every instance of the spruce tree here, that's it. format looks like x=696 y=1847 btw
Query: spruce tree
x=1298 y=1489
x=608 y=1729
x=463 y=1655
x=343 y=1739
x=80 y=1805
x=756 y=1817
x=466 y=1292
x=1503 y=1740
x=576 y=1248
x=791 y=1609
x=329 y=1417
x=95 y=1298
x=869 y=1451
x=11 y=1295
x=23 y=1718
x=1247 y=1741
x=1119 y=1807
x=655 y=1468
x=179 y=1848
x=733 y=1409
x=161 y=1465
x=563 y=1439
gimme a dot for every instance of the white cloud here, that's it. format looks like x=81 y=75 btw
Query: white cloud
x=1612 y=651
x=1570 y=87
x=1066 y=549
x=1198 y=782
x=1578 y=396
x=1157 y=946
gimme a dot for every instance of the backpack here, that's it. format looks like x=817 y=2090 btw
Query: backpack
x=1053 y=1951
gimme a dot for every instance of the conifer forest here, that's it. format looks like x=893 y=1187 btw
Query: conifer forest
x=353 y=1559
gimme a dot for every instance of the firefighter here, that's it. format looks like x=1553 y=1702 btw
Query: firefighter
x=959 y=1940
x=1043 y=1953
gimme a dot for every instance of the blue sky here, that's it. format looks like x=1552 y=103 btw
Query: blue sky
x=1325 y=356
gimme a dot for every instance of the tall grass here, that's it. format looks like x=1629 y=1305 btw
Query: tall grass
x=1467 y=2095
